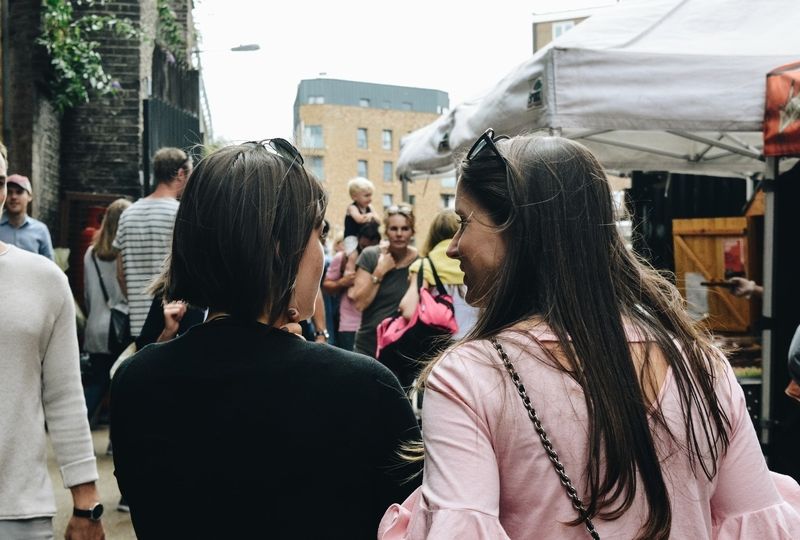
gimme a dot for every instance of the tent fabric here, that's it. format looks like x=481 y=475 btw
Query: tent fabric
x=675 y=85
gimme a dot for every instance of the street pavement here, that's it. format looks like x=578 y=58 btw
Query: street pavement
x=117 y=524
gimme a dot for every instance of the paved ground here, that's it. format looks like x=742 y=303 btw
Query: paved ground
x=117 y=524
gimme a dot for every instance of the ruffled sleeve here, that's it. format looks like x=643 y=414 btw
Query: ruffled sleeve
x=413 y=520
x=749 y=501
x=780 y=521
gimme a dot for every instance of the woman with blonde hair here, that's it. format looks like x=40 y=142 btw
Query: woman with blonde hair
x=101 y=291
x=585 y=402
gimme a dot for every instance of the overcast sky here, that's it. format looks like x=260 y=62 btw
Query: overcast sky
x=461 y=47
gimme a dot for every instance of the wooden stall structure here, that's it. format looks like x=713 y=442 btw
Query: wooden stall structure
x=708 y=252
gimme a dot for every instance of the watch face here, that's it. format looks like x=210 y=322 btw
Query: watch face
x=96 y=511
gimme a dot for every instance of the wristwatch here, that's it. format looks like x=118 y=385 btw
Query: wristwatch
x=94 y=513
x=375 y=279
x=323 y=333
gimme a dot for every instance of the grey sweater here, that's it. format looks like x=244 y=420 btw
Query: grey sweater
x=39 y=382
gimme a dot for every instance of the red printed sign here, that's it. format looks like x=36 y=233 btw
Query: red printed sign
x=782 y=112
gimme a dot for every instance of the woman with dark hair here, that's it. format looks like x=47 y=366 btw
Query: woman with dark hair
x=382 y=276
x=239 y=428
x=585 y=401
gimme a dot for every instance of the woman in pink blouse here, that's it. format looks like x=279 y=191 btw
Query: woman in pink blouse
x=647 y=428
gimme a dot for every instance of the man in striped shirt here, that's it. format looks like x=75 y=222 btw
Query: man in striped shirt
x=144 y=236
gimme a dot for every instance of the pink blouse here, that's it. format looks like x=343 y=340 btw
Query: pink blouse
x=487 y=475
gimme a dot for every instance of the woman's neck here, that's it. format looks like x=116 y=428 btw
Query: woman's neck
x=399 y=254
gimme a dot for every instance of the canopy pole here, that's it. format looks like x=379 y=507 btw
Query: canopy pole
x=770 y=176
x=404 y=180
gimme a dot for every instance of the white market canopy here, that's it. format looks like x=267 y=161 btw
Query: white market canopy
x=674 y=85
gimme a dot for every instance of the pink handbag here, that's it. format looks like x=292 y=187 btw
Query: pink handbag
x=433 y=319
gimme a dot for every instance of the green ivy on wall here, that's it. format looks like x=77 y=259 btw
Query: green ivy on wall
x=170 y=34
x=77 y=68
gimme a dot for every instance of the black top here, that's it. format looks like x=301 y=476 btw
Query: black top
x=154 y=323
x=239 y=430
x=351 y=228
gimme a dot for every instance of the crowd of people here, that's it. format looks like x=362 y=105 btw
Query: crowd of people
x=575 y=398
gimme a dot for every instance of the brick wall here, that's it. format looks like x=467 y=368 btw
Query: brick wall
x=33 y=132
x=46 y=143
x=101 y=140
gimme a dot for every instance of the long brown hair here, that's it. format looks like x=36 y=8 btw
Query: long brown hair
x=566 y=263
x=103 y=242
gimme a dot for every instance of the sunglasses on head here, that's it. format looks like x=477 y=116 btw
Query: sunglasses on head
x=484 y=144
x=395 y=209
x=282 y=148
x=485 y=147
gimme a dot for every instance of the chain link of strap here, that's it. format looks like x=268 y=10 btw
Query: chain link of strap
x=572 y=493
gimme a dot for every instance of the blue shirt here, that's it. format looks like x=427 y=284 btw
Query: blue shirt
x=32 y=236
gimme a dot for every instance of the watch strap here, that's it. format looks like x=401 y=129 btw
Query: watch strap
x=94 y=513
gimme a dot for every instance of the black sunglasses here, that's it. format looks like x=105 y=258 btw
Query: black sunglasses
x=281 y=147
x=486 y=143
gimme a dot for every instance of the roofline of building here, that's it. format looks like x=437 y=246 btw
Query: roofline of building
x=373 y=83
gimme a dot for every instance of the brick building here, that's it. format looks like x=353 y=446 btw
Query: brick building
x=99 y=150
x=347 y=129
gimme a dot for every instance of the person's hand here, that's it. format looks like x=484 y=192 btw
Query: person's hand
x=84 y=529
x=320 y=339
x=386 y=262
x=744 y=287
x=347 y=280
x=173 y=314
x=793 y=390
x=293 y=323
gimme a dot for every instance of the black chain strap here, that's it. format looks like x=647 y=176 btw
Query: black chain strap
x=572 y=493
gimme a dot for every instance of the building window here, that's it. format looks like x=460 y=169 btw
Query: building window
x=361 y=137
x=561 y=27
x=317 y=166
x=388 y=200
x=412 y=200
x=448 y=201
x=312 y=137
x=363 y=102
x=362 y=168
x=406 y=106
x=449 y=182
x=387 y=171
x=316 y=100
x=387 y=139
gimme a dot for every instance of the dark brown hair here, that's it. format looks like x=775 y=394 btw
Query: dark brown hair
x=244 y=221
x=566 y=263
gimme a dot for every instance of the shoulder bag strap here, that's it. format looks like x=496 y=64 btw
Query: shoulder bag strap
x=572 y=493
x=439 y=284
x=100 y=276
